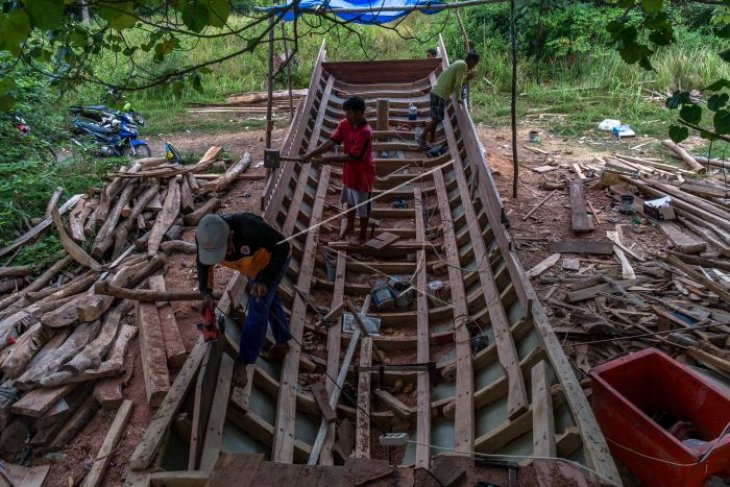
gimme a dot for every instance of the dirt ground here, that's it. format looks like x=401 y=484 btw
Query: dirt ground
x=549 y=222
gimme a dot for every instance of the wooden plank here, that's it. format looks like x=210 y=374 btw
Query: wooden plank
x=396 y=406
x=321 y=398
x=383 y=114
x=544 y=265
x=685 y=156
x=98 y=469
x=581 y=247
x=362 y=434
x=543 y=428
x=38 y=401
x=588 y=293
x=19 y=476
x=698 y=276
x=174 y=346
x=203 y=401
x=517 y=401
x=464 y=419
x=382 y=240
x=683 y=242
x=423 y=353
x=578 y=214
x=283 y=445
x=333 y=352
x=217 y=418
x=149 y=446
x=627 y=271
x=165 y=217
x=152 y=353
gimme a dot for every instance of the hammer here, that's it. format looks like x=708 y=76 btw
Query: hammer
x=272 y=157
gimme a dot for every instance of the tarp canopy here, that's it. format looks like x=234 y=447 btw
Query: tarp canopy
x=376 y=9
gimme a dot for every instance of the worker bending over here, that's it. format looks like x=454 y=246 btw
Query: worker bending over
x=358 y=174
x=246 y=243
x=449 y=83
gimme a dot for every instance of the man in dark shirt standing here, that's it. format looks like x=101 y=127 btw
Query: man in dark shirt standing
x=246 y=243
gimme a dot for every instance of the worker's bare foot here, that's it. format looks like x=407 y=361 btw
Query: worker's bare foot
x=240 y=375
x=344 y=234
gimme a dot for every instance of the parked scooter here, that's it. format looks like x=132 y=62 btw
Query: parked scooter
x=113 y=136
x=96 y=113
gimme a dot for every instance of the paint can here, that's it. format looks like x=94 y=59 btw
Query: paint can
x=533 y=136
x=330 y=263
x=382 y=295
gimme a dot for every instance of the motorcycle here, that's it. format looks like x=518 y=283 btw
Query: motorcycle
x=97 y=112
x=113 y=136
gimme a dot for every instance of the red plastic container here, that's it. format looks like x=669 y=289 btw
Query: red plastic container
x=631 y=393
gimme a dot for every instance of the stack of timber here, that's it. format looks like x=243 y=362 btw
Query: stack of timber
x=254 y=103
x=469 y=364
x=64 y=334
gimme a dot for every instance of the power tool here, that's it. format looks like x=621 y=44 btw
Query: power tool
x=210 y=327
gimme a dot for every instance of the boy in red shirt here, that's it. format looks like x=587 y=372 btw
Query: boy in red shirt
x=358 y=173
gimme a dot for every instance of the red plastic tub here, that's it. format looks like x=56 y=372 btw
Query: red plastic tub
x=632 y=395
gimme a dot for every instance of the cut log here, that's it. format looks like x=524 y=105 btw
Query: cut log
x=144 y=295
x=110 y=224
x=24 y=349
x=684 y=155
x=704 y=191
x=18 y=271
x=78 y=217
x=90 y=226
x=186 y=196
x=713 y=162
x=193 y=183
x=174 y=346
x=152 y=350
x=11 y=284
x=76 y=285
x=392 y=403
x=38 y=229
x=683 y=242
x=38 y=401
x=165 y=218
x=53 y=202
x=579 y=216
x=179 y=246
x=68 y=313
x=709 y=236
x=72 y=247
x=155 y=204
x=210 y=206
x=75 y=424
x=582 y=247
x=98 y=469
x=231 y=175
x=203 y=164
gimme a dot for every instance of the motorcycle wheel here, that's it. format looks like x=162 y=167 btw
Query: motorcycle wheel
x=137 y=152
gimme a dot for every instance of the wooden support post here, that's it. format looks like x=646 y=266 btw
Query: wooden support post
x=543 y=443
x=152 y=351
x=362 y=436
x=98 y=469
x=383 y=114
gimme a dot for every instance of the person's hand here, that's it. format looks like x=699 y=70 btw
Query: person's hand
x=259 y=289
x=208 y=300
x=470 y=75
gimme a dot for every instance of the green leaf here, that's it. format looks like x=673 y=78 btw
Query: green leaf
x=646 y=64
x=691 y=113
x=724 y=33
x=119 y=15
x=6 y=103
x=721 y=120
x=678 y=134
x=719 y=84
x=7 y=84
x=218 y=13
x=659 y=38
x=725 y=55
x=14 y=30
x=615 y=26
x=45 y=14
x=195 y=16
x=716 y=102
x=651 y=6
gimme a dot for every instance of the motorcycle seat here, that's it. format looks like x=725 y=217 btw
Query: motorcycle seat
x=96 y=128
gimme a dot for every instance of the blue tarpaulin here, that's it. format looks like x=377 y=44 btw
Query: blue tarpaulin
x=375 y=15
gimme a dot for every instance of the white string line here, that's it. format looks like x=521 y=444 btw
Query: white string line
x=368 y=201
x=522 y=457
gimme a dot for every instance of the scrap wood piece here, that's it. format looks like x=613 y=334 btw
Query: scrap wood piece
x=16 y=271
x=144 y=295
x=539 y=204
x=591 y=292
x=210 y=206
x=382 y=240
x=78 y=217
x=111 y=221
x=72 y=247
x=582 y=247
x=544 y=169
x=203 y=401
x=174 y=346
x=363 y=329
x=684 y=242
x=362 y=435
x=627 y=271
x=578 y=172
x=395 y=405
x=98 y=469
x=704 y=191
x=19 y=476
x=685 y=156
x=706 y=233
x=38 y=401
x=615 y=237
x=710 y=360
x=543 y=433
x=165 y=218
x=203 y=164
x=579 y=216
x=319 y=391
x=230 y=175
x=179 y=246
x=696 y=275
x=25 y=347
x=544 y=265
x=38 y=229
x=150 y=445
x=152 y=351
x=187 y=205
x=593 y=212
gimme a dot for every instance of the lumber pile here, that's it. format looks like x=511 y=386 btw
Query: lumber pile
x=64 y=335
x=253 y=103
